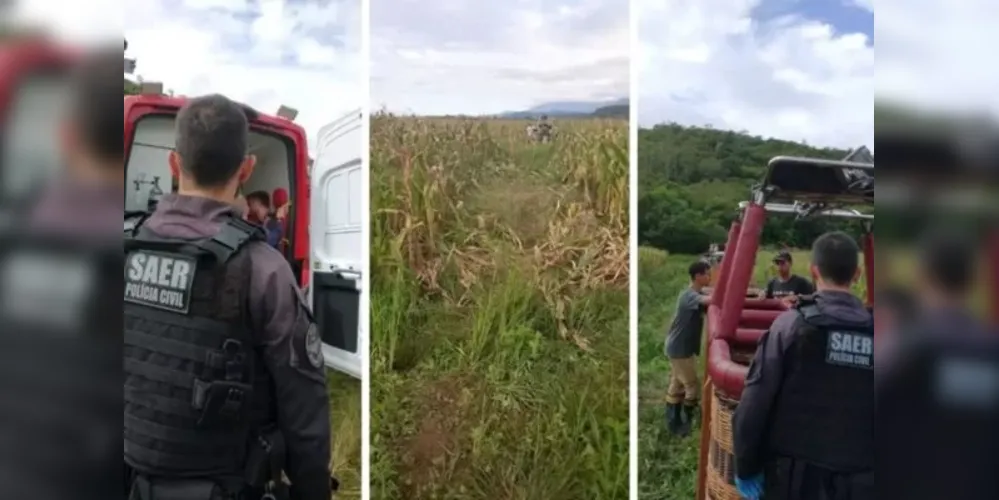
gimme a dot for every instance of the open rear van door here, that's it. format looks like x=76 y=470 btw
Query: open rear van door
x=336 y=244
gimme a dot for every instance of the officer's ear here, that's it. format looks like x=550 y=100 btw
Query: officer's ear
x=814 y=271
x=246 y=168
x=173 y=159
x=857 y=275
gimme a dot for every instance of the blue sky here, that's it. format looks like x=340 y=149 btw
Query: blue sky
x=794 y=69
x=477 y=57
x=843 y=15
x=301 y=53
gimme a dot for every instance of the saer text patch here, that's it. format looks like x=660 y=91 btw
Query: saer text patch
x=852 y=349
x=159 y=280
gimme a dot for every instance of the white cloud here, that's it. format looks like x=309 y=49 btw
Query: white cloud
x=80 y=22
x=707 y=62
x=938 y=53
x=305 y=54
x=451 y=56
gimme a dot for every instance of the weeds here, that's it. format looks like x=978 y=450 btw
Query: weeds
x=499 y=310
x=345 y=400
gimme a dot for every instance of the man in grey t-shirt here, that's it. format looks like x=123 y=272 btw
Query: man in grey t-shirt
x=683 y=345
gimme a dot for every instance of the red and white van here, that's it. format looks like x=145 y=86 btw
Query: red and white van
x=324 y=223
x=329 y=264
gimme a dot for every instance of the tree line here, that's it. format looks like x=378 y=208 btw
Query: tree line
x=691 y=180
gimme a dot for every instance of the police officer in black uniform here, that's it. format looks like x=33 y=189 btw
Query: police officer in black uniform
x=804 y=428
x=225 y=383
x=936 y=383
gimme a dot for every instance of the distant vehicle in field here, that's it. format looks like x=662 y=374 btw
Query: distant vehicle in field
x=541 y=132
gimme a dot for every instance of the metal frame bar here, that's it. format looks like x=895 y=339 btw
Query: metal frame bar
x=802 y=209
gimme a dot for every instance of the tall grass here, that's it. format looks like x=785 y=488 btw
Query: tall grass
x=345 y=421
x=499 y=310
x=668 y=465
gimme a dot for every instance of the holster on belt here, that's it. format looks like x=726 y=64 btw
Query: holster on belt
x=265 y=464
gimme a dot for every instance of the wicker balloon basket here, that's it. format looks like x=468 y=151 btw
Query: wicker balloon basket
x=720 y=480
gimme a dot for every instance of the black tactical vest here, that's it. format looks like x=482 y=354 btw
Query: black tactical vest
x=59 y=363
x=825 y=411
x=195 y=389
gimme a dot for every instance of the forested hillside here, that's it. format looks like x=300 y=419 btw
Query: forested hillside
x=691 y=180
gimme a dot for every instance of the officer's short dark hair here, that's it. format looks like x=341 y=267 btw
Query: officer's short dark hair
x=837 y=257
x=698 y=268
x=948 y=260
x=212 y=139
x=261 y=197
x=93 y=104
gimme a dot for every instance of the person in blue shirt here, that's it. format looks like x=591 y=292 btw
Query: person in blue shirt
x=258 y=212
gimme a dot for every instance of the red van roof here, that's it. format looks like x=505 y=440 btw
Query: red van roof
x=262 y=120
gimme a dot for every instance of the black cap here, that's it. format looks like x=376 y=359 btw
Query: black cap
x=783 y=256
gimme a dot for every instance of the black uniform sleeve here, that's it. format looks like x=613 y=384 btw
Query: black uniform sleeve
x=752 y=416
x=293 y=354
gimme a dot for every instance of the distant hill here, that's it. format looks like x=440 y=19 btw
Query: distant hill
x=613 y=111
x=692 y=178
x=575 y=109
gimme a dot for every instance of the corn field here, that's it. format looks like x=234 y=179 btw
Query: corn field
x=499 y=309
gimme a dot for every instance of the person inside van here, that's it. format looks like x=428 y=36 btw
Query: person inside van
x=282 y=204
x=259 y=212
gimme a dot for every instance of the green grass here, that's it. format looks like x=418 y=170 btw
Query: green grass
x=345 y=418
x=499 y=311
x=668 y=465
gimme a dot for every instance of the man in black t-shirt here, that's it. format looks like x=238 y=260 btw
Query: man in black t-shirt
x=786 y=286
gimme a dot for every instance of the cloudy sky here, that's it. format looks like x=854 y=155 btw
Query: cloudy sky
x=477 y=57
x=301 y=53
x=938 y=53
x=792 y=69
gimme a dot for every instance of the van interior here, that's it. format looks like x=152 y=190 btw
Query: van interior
x=148 y=172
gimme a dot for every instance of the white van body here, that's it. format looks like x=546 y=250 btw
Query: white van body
x=336 y=235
